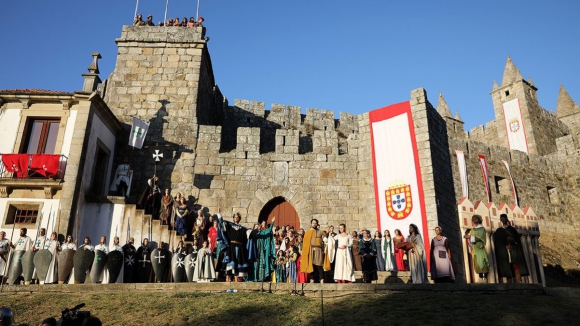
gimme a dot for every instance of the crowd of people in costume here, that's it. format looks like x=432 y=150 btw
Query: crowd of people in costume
x=220 y=250
x=177 y=22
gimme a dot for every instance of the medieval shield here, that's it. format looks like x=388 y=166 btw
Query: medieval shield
x=399 y=203
x=130 y=267
x=160 y=258
x=99 y=263
x=65 y=264
x=114 y=265
x=190 y=266
x=27 y=261
x=42 y=261
x=178 y=267
x=82 y=260
x=15 y=266
x=143 y=266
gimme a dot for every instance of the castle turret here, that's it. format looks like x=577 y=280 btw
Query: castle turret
x=535 y=128
x=454 y=125
x=568 y=110
x=164 y=76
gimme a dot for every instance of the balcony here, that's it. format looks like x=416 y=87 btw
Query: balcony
x=31 y=171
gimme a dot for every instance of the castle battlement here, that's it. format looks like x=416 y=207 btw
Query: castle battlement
x=162 y=34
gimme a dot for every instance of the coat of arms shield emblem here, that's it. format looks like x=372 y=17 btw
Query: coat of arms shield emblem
x=399 y=202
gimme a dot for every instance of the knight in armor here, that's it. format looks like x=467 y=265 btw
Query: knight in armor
x=117 y=247
x=52 y=245
x=4 y=252
x=122 y=178
x=24 y=243
x=144 y=262
x=313 y=252
x=234 y=261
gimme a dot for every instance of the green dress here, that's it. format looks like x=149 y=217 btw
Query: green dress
x=480 y=260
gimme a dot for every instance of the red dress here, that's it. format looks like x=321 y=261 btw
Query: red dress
x=302 y=277
x=212 y=235
x=399 y=253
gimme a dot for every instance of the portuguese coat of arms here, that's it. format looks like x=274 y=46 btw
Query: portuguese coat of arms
x=399 y=202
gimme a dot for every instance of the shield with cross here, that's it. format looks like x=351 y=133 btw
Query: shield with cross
x=178 y=267
x=190 y=266
x=160 y=258
x=27 y=262
x=42 y=261
x=129 y=267
x=98 y=266
x=144 y=269
x=83 y=260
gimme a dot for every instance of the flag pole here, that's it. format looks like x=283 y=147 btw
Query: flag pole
x=166 y=5
x=197 y=12
x=136 y=8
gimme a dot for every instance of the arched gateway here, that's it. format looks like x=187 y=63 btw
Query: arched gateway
x=283 y=210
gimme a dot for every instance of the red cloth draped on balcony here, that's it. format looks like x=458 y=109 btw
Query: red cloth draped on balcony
x=45 y=164
x=17 y=163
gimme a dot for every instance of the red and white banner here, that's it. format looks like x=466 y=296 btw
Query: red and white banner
x=483 y=164
x=17 y=163
x=513 y=184
x=462 y=173
x=514 y=126
x=45 y=164
x=399 y=195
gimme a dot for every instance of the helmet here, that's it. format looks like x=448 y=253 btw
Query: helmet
x=6 y=317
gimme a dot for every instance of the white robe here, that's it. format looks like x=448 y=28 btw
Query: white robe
x=5 y=250
x=343 y=267
x=204 y=269
x=54 y=248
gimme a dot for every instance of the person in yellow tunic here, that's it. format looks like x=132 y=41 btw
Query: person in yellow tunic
x=313 y=252
x=477 y=237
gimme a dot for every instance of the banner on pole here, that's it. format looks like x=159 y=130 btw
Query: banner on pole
x=462 y=173
x=138 y=133
x=399 y=195
x=485 y=174
x=514 y=125
x=513 y=184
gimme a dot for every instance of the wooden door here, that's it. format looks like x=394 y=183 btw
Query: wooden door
x=284 y=212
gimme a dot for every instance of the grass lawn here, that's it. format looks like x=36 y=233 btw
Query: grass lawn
x=154 y=308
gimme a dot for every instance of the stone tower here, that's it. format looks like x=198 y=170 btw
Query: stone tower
x=541 y=127
x=164 y=76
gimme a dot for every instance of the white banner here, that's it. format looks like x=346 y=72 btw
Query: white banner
x=462 y=173
x=483 y=164
x=513 y=184
x=138 y=133
x=398 y=186
x=514 y=126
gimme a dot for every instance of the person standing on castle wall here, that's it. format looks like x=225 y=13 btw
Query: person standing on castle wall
x=149 y=21
x=477 y=237
x=511 y=261
x=139 y=20
x=313 y=253
x=443 y=267
x=122 y=179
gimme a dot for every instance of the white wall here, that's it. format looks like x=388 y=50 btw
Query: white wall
x=68 y=133
x=9 y=124
x=49 y=215
x=98 y=219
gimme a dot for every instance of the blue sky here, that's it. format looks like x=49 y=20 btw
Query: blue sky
x=345 y=56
